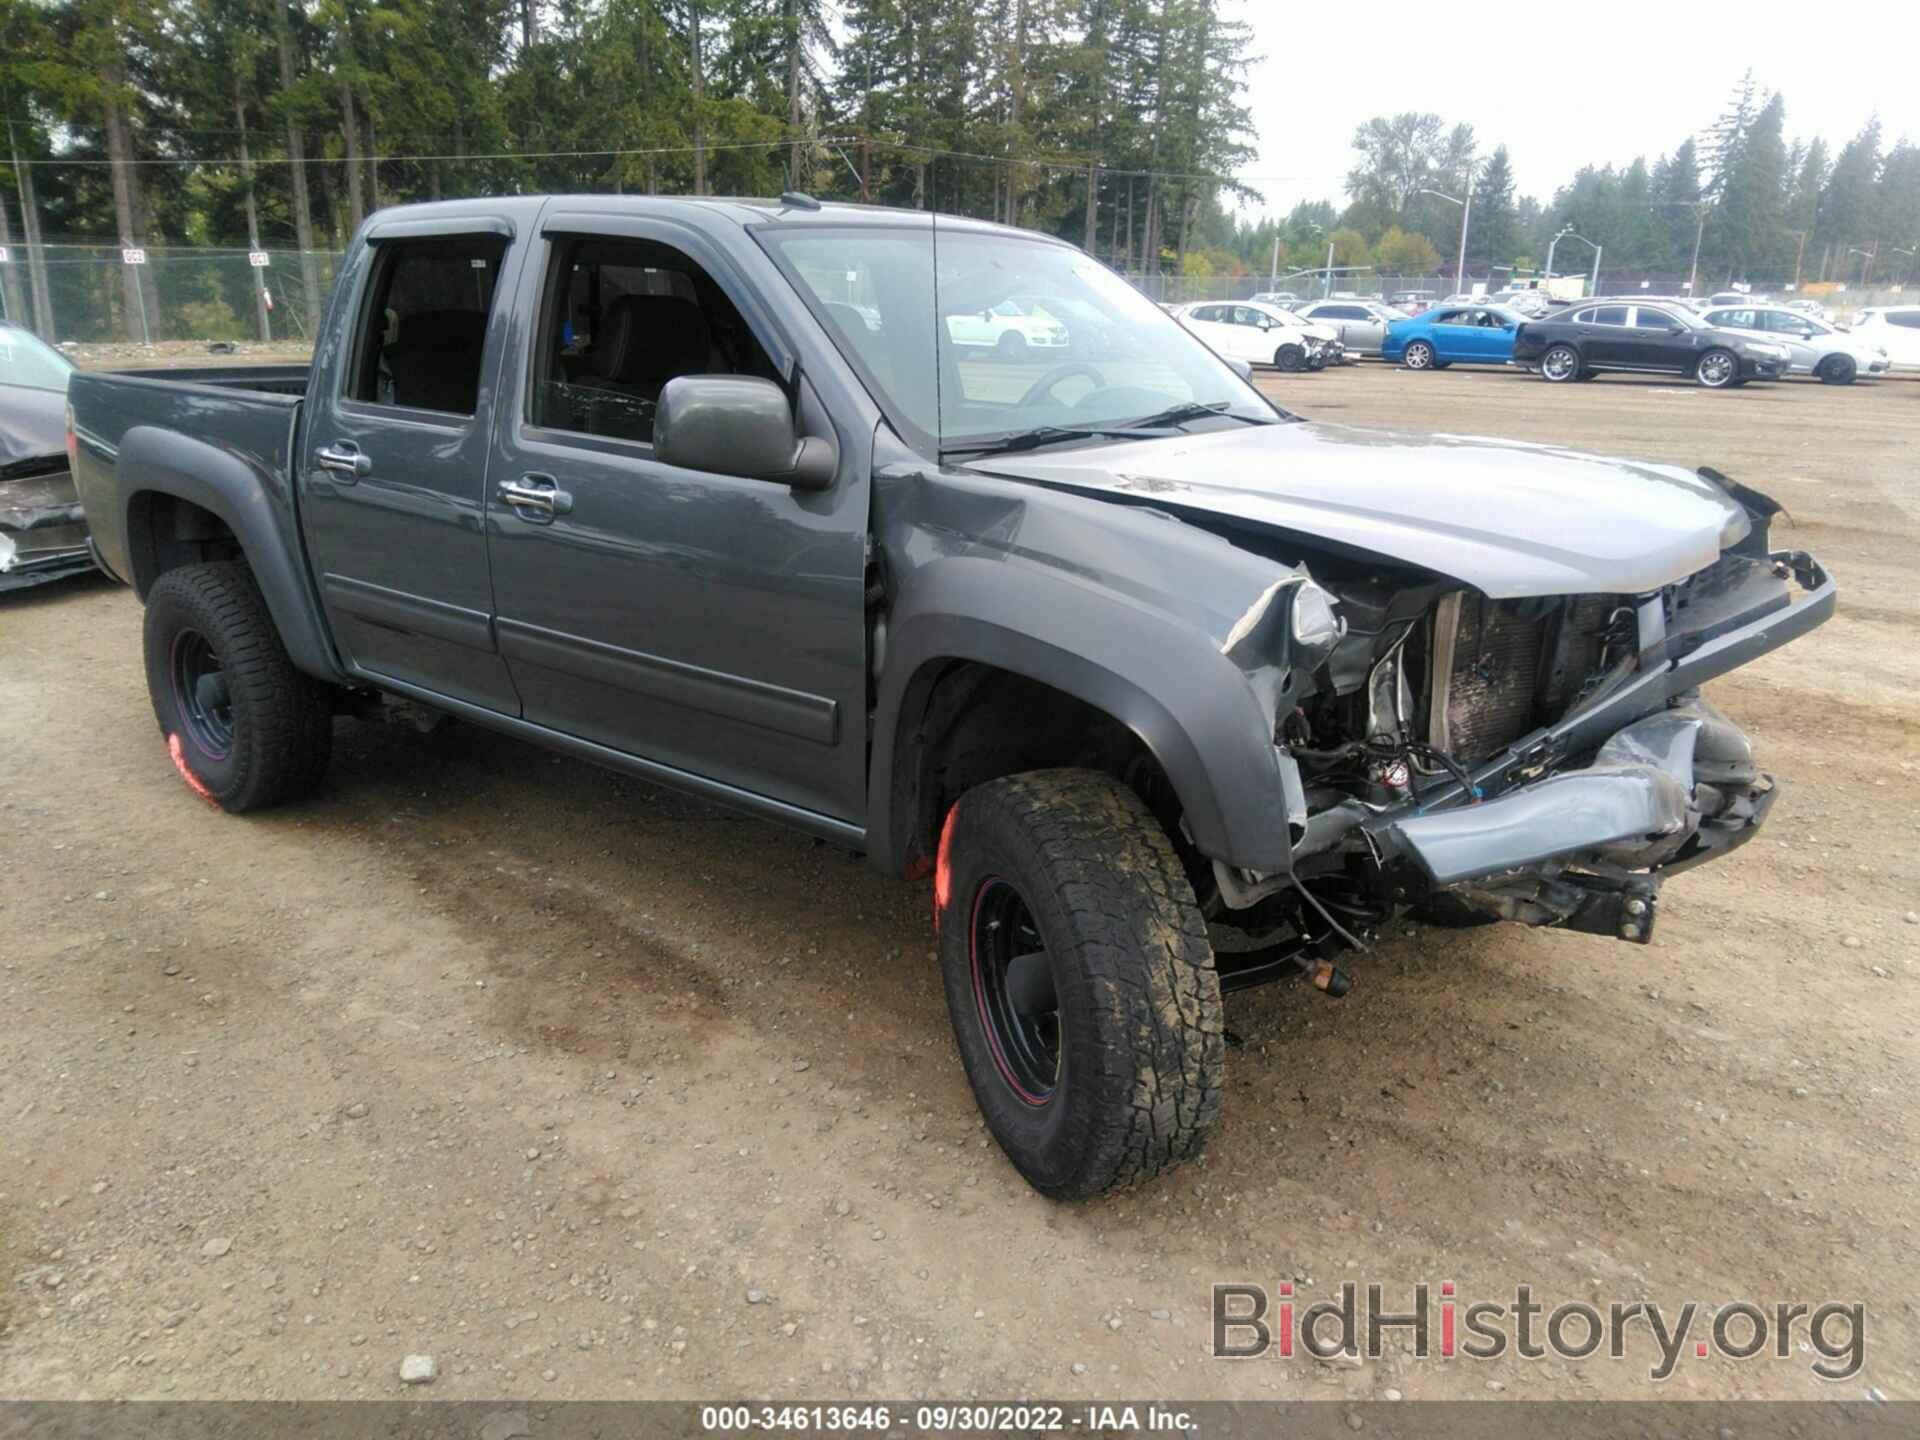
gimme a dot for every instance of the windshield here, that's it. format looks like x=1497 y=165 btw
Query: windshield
x=27 y=362
x=1030 y=333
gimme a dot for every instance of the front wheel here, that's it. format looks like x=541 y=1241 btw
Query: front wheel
x=245 y=729
x=1012 y=346
x=1560 y=363
x=1079 y=979
x=1418 y=356
x=1717 y=369
x=1289 y=358
x=1838 y=370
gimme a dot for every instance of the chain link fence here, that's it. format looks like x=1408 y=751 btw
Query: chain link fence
x=99 y=293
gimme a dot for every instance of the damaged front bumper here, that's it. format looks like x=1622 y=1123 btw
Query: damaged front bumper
x=43 y=531
x=1671 y=784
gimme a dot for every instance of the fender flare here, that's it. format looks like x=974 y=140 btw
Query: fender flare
x=252 y=503
x=1187 y=703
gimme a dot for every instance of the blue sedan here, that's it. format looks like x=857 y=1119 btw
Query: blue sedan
x=1470 y=334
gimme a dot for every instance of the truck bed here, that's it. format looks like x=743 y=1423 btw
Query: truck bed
x=260 y=379
x=231 y=426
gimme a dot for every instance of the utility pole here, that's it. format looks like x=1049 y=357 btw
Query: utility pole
x=1699 y=233
x=1273 y=275
x=1326 y=287
x=1093 y=204
x=866 y=195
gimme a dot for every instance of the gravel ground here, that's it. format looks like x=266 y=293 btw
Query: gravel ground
x=582 y=1089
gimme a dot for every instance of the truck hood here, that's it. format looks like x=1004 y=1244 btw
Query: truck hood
x=1509 y=518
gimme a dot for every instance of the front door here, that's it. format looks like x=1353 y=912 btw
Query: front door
x=708 y=624
x=394 y=464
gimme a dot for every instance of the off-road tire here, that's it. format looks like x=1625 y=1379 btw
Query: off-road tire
x=1141 y=1051
x=1838 y=370
x=281 y=720
x=1559 y=364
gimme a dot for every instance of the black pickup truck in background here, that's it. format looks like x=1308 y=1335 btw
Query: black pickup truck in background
x=1166 y=691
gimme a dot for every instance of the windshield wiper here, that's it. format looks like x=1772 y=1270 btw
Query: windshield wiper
x=1189 y=410
x=1033 y=439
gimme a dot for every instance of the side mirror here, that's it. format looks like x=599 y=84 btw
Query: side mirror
x=738 y=425
x=1242 y=368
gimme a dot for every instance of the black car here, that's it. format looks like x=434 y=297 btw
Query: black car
x=1578 y=342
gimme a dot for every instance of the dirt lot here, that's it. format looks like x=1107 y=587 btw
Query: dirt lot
x=492 y=1056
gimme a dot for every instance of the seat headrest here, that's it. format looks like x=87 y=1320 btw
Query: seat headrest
x=651 y=339
x=443 y=330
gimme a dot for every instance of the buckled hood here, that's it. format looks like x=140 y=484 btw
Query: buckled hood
x=1509 y=518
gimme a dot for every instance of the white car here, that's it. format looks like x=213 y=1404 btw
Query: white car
x=1896 y=329
x=1009 y=328
x=1260 y=334
x=1813 y=347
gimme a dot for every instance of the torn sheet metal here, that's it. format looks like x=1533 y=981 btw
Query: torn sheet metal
x=43 y=530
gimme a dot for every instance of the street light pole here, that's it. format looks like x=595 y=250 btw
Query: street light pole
x=1466 y=217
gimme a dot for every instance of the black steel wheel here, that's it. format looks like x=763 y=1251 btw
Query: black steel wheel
x=1839 y=370
x=200 y=694
x=1290 y=358
x=1080 y=980
x=244 y=728
x=1014 y=990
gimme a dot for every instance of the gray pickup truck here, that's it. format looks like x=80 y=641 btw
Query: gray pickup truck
x=1167 y=691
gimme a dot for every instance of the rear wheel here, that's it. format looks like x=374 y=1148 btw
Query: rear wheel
x=1717 y=369
x=244 y=727
x=1560 y=363
x=1079 y=979
x=1290 y=357
x=1838 y=370
x=1418 y=355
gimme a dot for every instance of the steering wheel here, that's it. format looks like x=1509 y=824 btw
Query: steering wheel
x=1065 y=371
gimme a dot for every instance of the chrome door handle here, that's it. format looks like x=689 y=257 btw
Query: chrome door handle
x=345 y=459
x=535 y=496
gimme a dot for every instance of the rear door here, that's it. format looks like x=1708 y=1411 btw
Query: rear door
x=705 y=623
x=1454 y=335
x=1608 y=341
x=1214 y=325
x=393 y=465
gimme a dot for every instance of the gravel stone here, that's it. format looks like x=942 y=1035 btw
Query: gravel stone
x=416 y=1370
x=216 y=1247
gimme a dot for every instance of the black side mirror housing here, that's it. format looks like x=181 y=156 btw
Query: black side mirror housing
x=739 y=425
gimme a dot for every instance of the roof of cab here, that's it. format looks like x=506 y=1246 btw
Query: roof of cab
x=745 y=211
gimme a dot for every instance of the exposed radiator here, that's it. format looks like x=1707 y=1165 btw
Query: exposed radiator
x=1501 y=677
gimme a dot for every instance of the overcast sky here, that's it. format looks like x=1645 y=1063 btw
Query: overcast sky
x=1327 y=68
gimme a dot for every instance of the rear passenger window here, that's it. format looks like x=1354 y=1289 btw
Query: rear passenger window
x=1910 y=319
x=620 y=318
x=1610 y=315
x=423 y=332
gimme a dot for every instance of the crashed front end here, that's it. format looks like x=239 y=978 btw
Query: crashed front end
x=1547 y=760
x=43 y=531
